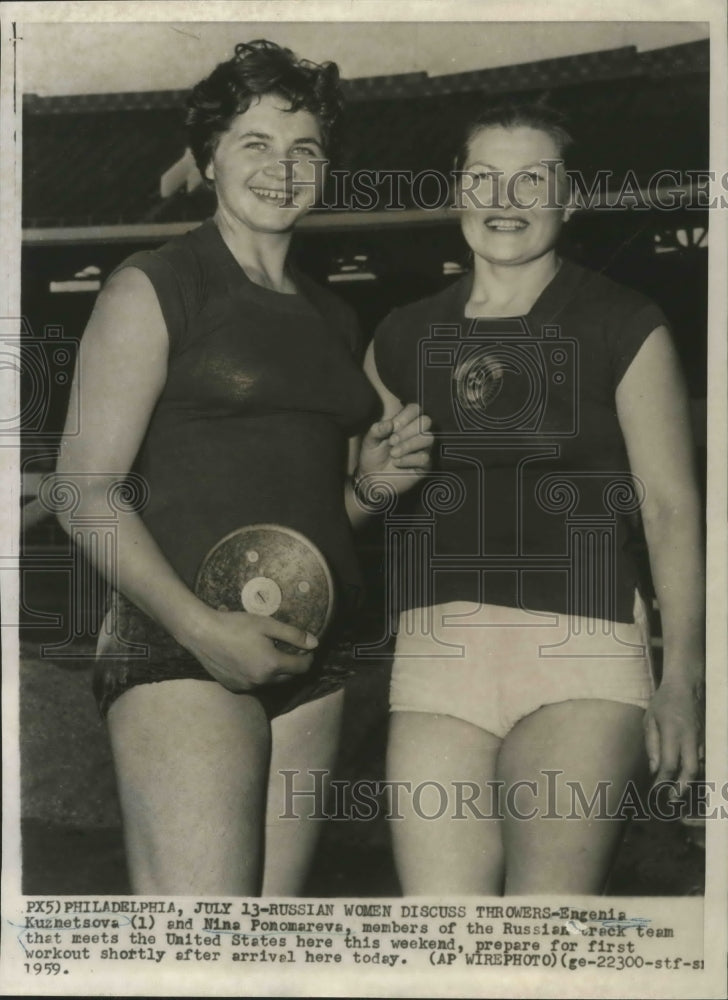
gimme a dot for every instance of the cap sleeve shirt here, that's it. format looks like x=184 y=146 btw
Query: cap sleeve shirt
x=535 y=506
x=262 y=392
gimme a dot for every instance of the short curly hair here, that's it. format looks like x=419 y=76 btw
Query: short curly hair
x=260 y=67
x=511 y=115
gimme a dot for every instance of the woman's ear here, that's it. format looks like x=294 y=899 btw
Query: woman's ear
x=209 y=174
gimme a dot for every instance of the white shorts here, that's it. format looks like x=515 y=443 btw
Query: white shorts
x=492 y=666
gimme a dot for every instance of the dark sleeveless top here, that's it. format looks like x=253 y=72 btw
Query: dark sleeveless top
x=534 y=507
x=263 y=390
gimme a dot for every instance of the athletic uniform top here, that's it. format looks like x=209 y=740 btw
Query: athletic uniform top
x=532 y=504
x=262 y=392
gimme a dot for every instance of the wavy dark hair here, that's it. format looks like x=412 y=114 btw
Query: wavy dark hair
x=260 y=67
x=536 y=116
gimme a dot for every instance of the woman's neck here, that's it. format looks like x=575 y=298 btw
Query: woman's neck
x=509 y=290
x=262 y=256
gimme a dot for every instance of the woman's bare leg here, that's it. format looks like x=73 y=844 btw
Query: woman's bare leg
x=588 y=741
x=191 y=761
x=447 y=855
x=304 y=740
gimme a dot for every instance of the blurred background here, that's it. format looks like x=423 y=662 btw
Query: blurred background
x=105 y=173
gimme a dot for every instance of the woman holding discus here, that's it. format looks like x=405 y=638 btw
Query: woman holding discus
x=523 y=687
x=229 y=384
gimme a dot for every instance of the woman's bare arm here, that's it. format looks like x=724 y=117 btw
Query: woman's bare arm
x=653 y=410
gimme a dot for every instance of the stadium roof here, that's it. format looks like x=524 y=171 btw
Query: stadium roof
x=97 y=160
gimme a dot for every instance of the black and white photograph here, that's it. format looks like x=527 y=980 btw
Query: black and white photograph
x=364 y=463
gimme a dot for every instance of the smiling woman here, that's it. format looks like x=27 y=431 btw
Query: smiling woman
x=259 y=137
x=560 y=410
x=513 y=209
x=230 y=384
x=266 y=167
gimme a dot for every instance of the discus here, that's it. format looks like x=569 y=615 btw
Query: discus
x=269 y=570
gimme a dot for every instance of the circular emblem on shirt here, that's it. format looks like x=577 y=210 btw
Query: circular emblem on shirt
x=478 y=380
x=500 y=387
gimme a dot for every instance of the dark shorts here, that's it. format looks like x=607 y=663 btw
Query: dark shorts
x=158 y=657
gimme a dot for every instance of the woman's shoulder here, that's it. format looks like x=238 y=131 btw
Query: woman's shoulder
x=614 y=315
x=600 y=291
x=179 y=260
x=177 y=273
